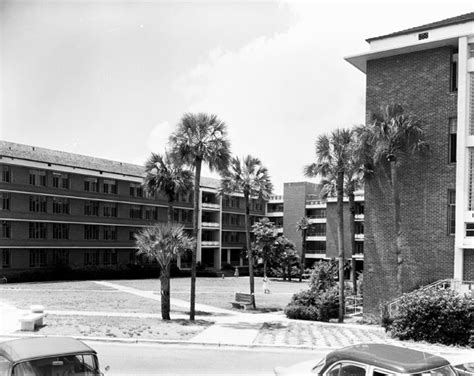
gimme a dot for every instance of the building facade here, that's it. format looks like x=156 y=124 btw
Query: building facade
x=429 y=70
x=60 y=209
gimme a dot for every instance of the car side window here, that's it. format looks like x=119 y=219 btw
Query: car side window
x=382 y=373
x=347 y=369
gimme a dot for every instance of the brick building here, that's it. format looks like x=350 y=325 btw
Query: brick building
x=63 y=209
x=429 y=70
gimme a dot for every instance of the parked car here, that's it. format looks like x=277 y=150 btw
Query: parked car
x=373 y=360
x=44 y=356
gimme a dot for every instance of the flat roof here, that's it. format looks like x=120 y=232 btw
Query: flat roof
x=389 y=357
x=22 y=349
x=433 y=25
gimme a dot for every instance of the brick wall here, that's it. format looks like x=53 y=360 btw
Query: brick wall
x=420 y=83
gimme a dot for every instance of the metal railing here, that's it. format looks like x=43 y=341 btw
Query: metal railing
x=354 y=305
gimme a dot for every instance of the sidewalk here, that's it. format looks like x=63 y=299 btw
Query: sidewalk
x=238 y=328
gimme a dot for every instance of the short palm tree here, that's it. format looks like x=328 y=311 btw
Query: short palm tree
x=332 y=155
x=200 y=138
x=390 y=136
x=265 y=233
x=163 y=242
x=302 y=226
x=165 y=174
x=249 y=177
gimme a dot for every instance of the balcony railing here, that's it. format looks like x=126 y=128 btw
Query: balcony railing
x=315 y=203
x=359 y=236
x=210 y=205
x=210 y=224
x=359 y=217
x=210 y=243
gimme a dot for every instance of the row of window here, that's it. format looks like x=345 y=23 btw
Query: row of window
x=239 y=203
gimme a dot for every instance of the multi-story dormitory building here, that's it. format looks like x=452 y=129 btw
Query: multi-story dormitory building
x=59 y=208
x=429 y=70
x=304 y=199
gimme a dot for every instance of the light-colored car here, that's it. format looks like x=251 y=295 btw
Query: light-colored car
x=45 y=356
x=373 y=360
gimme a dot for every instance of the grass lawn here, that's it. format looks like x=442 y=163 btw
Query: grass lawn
x=120 y=327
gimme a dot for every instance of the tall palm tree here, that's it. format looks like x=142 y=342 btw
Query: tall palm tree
x=332 y=155
x=390 y=136
x=251 y=178
x=302 y=226
x=163 y=242
x=200 y=138
x=165 y=174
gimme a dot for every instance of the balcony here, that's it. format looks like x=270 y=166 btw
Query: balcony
x=359 y=237
x=280 y=230
x=314 y=219
x=274 y=214
x=275 y=198
x=359 y=217
x=210 y=205
x=215 y=225
x=315 y=204
x=210 y=243
x=316 y=238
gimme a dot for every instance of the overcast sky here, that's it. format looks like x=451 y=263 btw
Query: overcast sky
x=111 y=79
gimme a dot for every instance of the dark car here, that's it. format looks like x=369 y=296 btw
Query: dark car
x=45 y=356
x=373 y=360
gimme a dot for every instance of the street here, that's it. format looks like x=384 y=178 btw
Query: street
x=151 y=359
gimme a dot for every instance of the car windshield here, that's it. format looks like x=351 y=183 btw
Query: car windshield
x=318 y=367
x=70 y=365
x=443 y=371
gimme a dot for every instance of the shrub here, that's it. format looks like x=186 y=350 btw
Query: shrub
x=442 y=316
x=323 y=276
x=305 y=298
x=328 y=304
x=301 y=312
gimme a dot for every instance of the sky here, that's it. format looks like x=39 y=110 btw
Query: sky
x=111 y=79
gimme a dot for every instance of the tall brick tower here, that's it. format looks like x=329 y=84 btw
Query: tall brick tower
x=429 y=70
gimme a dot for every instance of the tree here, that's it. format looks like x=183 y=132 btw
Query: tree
x=286 y=255
x=165 y=174
x=163 y=242
x=200 y=138
x=332 y=156
x=265 y=234
x=250 y=177
x=391 y=136
x=302 y=226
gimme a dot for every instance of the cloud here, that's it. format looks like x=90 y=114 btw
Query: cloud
x=157 y=140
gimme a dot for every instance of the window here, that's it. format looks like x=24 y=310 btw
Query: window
x=38 y=177
x=110 y=186
x=451 y=211
x=60 y=180
x=6 y=174
x=91 y=208
x=347 y=370
x=38 y=204
x=454 y=71
x=91 y=185
x=317 y=229
x=110 y=233
x=37 y=257
x=359 y=248
x=136 y=190
x=37 y=230
x=131 y=235
x=91 y=232
x=135 y=212
x=109 y=257
x=6 y=258
x=61 y=257
x=110 y=210
x=60 y=231
x=60 y=205
x=5 y=230
x=453 y=125
x=92 y=257
x=469 y=229
x=151 y=213
x=4 y=201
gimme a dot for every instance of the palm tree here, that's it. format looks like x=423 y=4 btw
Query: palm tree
x=265 y=234
x=163 y=242
x=390 y=136
x=200 y=138
x=302 y=226
x=165 y=174
x=332 y=155
x=251 y=178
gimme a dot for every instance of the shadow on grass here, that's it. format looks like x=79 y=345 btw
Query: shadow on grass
x=208 y=314
x=258 y=310
x=273 y=325
x=185 y=322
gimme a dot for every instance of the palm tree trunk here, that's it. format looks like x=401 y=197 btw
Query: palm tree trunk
x=170 y=212
x=303 y=254
x=340 y=241
x=197 y=181
x=264 y=265
x=398 y=223
x=165 y=292
x=353 y=245
x=249 y=249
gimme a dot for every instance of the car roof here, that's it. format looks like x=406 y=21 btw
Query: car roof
x=392 y=358
x=22 y=349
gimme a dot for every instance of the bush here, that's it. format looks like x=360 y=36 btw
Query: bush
x=300 y=312
x=329 y=304
x=323 y=275
x=442 y=316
